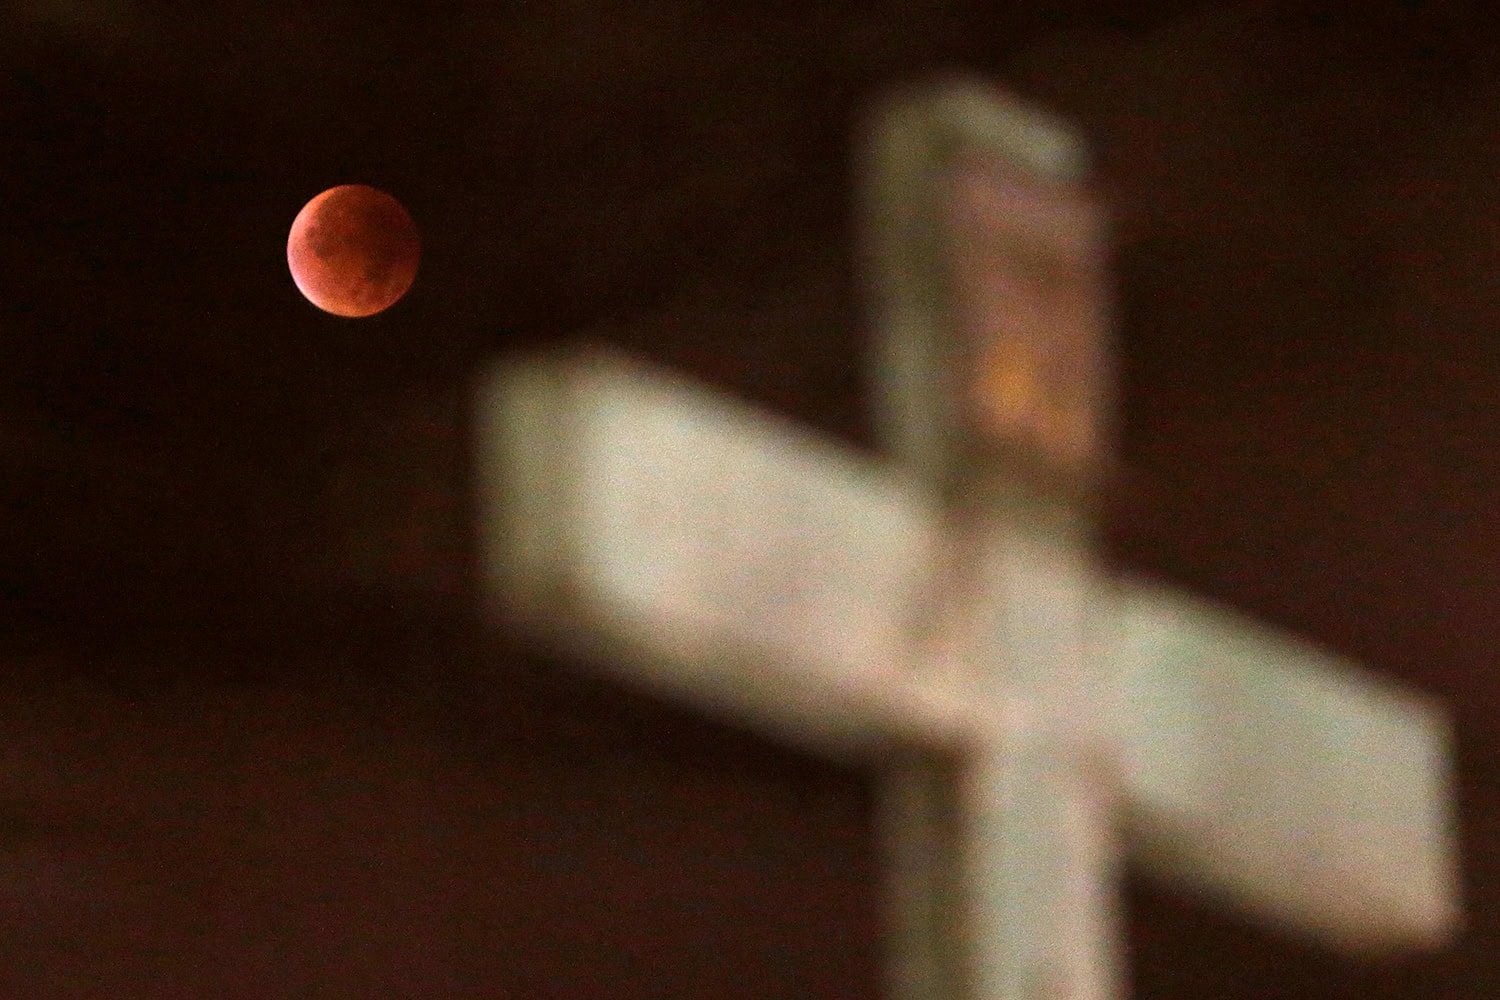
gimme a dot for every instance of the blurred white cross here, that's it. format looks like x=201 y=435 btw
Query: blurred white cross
x=941 y=614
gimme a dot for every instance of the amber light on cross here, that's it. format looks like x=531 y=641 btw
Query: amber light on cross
x=1027 y=287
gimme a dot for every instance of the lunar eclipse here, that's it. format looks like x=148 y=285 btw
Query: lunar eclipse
x=353 y=251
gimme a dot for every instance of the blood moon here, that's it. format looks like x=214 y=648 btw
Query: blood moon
x=353 y=250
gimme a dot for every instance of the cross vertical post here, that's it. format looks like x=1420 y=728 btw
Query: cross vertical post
x=986 y=257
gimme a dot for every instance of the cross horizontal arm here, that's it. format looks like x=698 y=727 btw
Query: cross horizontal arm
x=712 y=551
x=1265 y=769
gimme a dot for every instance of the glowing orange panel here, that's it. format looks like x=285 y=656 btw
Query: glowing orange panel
x=1028 y=291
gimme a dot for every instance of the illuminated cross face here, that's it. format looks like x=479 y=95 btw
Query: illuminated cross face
x=942 y=617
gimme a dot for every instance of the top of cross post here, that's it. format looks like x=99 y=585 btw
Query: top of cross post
x=985 y=247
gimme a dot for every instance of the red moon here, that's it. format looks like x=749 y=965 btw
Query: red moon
x=353 y=251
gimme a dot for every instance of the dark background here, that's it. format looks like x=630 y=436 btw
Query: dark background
x=255 y=743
